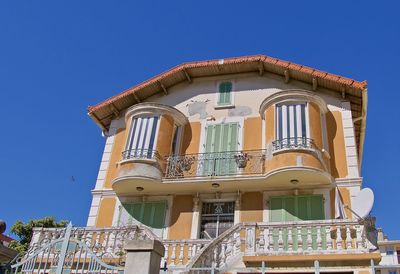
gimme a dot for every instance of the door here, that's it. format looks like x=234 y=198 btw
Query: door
x=220 y=147
x=216 y=218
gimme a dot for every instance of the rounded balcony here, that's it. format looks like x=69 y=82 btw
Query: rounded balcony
x=152 y=130
x=295 y=136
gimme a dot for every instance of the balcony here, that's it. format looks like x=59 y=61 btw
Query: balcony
x=284 y=162
x=215 y=164
x=244 y=241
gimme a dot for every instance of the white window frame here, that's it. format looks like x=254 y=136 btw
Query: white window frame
x=232 y=104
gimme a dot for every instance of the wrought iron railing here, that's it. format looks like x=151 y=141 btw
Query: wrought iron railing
x=293 y=143
x=227 y=163
x=140 y=154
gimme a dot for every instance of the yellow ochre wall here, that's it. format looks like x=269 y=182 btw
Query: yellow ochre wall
x=315 y=124
x=251 y=209
x=116 y=156
x=336 y=144
x=106 y=212
x=252 y=133
x=270 y=124
x=191 y=138
x=181 y=217
x=165 y=135
x=345 y=193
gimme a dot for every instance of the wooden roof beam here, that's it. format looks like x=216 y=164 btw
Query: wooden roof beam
x=163 y=88
x=287 y=76
x=136 y=98
x=314 y=83
x=114 y=109
x=187 y=75
x=261 y=68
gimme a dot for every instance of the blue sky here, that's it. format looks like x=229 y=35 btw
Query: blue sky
x=58 y=57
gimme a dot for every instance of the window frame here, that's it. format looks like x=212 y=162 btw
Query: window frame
x=231 y=104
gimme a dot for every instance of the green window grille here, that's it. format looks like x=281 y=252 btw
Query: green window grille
x=225 y=93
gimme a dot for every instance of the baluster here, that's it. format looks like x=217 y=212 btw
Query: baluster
x=309 y=239
x=181 y=255
x=238 y=242
x=290 y=239
x=280 y=240
x=319 y=238
x=261 y=241
x=338 y=238
x=266 y=239
x=222 y=255
x=271 y=239
x=189 y=253
x=173 y=254
x=166 y=254
x=299 y=240
x=215 y=255
x=194 y=250
x=328 y=238
x=349 y=241
x=359 y=240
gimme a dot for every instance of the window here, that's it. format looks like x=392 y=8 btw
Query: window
x=291 y=126
x=225 y=94
x=296 y=208
x=389 y=251
x=150 y=213
x=141 y=140
x=221 y=144
x=216 y=218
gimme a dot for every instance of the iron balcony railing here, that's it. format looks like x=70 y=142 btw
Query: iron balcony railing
x=293 y=143
x=141 y=154
x=227 y=163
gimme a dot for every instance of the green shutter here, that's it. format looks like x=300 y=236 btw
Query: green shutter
x=316 y=207
x=224 y=95
x=151 y=214
x=160 y=208
x=276 y=209
x=302 y=208
x=289 y=209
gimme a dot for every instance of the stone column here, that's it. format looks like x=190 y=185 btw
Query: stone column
x=238 y=203
x=195 y=218
x=143 y=256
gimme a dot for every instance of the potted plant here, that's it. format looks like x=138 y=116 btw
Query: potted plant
x=241 y=159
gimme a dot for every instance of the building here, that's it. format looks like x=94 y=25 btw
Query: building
x=237 y=164
x=390 y=252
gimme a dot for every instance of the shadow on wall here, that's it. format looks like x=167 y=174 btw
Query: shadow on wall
x=332 y=132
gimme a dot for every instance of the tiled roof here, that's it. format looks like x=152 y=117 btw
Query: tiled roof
x=274 y=65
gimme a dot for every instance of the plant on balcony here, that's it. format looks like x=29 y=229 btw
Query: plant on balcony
x=241 y=159
x=186 y=163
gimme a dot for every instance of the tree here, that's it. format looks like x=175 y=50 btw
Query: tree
x=25 y=231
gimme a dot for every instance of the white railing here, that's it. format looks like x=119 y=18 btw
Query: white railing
x=306 y=237
x=108 y=243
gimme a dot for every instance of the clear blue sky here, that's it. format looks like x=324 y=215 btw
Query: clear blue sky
x=58 y=57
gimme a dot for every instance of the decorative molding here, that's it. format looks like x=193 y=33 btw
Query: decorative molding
x=292 y=95
x=151 y=109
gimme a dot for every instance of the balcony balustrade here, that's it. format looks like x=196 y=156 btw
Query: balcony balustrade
x=228 y=163
x=293 y=143
x=245 y=239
